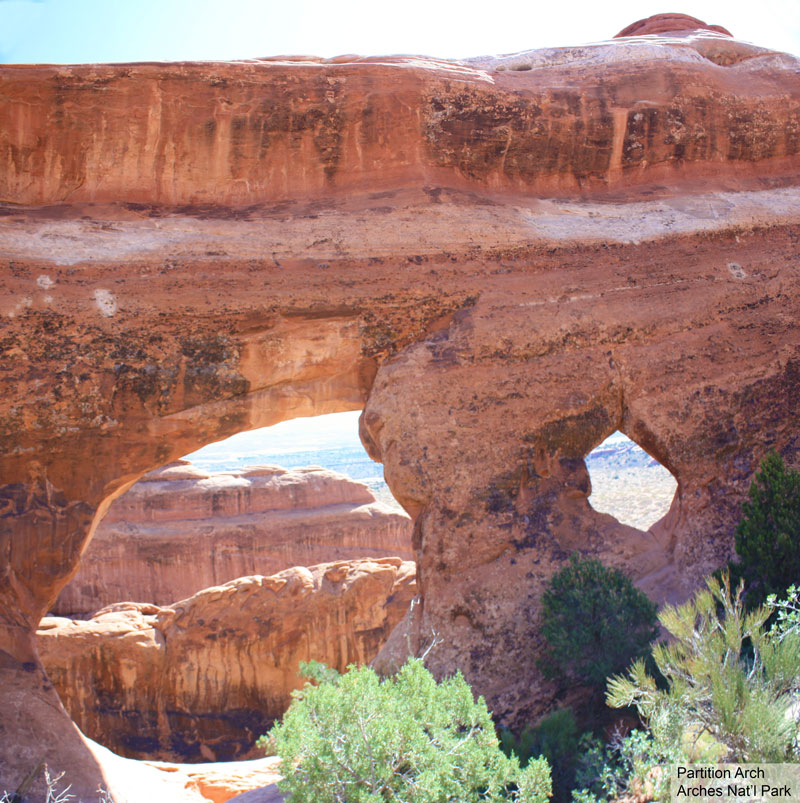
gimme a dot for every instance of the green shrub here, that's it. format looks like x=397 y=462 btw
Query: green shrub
x=362 y=739
x=555 y=737
x=768 y=535
x=594 y=622
x=784 y=613
x=627 y=767
x=727 y=679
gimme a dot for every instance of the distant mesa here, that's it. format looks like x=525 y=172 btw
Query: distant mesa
x=256 y=520
x=669 y=23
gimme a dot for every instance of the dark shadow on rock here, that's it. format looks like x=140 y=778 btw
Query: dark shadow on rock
x=266 y=794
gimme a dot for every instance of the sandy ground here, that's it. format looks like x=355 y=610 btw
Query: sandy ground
x=638 y=496
x=133 y=781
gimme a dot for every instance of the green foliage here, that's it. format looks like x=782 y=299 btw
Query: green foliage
x=594 y=622
x=555 y=738
x=362 y=739
x=727 y=678
x=784 y=613
x=768 y=535
x=628 y=766
x=319 y=672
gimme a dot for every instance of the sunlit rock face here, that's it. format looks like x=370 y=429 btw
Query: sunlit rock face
x=203 y=678
x=668 y=23
x=181 y=529
x=504 y=259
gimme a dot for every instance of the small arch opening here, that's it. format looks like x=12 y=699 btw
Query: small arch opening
x=628 y=483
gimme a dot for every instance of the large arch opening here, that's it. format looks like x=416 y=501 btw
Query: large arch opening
x=221 y=571
x=628 y=483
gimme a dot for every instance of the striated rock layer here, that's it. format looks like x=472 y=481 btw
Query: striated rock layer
x=503 y=260
x=202 y=679
x=180 y=529
x=270 y=130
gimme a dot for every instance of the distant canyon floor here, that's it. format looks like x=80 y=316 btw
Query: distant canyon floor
x=626 y=482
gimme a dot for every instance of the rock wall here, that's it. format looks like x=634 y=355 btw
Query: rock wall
x=269 y=130
x=503 y=260
x=180 y=530
x=202 y=679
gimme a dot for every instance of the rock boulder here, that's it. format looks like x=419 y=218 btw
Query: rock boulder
x=668 y=23
x=201 y=679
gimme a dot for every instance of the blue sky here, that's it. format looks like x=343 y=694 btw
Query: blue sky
x=75 y=31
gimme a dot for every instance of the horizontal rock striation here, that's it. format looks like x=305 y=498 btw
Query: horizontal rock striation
x=562 y=120
x=180 y=529
x=501 y=260
x=202 y=679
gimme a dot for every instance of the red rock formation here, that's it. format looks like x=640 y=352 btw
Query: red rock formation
x=668 y=23
x=180 y=529
x=209 y=136
x=506 y=259
x=218 y=782
x=201 y=679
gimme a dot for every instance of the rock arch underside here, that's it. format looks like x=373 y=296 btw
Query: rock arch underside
x=502 y=260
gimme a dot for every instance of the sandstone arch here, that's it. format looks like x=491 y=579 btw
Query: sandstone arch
x=46 y=528
x=504 y=504
x=504 y=259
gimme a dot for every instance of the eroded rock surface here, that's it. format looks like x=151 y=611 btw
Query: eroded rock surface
x=202 y=679
x=217 y=782
x=506 y=259
x=180 y=530
x=668 y=23
x=207 y=136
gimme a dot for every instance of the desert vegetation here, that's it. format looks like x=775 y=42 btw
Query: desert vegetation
x=727 y=678
x=720 y=691
x=594 y=622
x=768 y=534
x=358 y=738
x=56 y=789
x=721 y=687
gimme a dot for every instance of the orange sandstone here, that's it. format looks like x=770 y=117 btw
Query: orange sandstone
x=179 y=530
x=203 y=678
x=502 y=260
